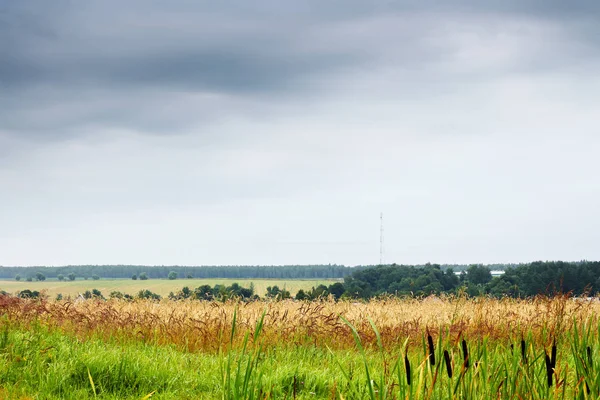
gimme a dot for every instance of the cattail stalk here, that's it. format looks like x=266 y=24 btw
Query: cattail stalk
x=407 y=368
x=548 y=369
x=465 y=353
x=553 y=357
x=448 y=365
x=431 y=349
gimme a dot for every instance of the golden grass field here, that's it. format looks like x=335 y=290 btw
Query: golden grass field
x=160 y=286
x=203 y=326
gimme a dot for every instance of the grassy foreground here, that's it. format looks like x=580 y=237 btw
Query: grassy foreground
x=160 y=286
x=450 y=348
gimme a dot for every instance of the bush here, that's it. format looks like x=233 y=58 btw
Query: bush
x=337 y=290
x=29 y=279
x=118 y=295
x=172 y=275
x=71 y=276
x=143 y=276
x=28 y=294
x=40 y=277
x=301 y=295
x=204 y=292
x=146 y=294
x=61 y=277
x=17 y=277
x=279 y=294
x=95 y=277
x=134 y=277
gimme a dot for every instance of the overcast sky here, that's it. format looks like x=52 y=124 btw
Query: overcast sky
x=275 y=132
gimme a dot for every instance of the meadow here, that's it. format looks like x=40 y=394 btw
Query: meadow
x=160 y=286
x=429 y=348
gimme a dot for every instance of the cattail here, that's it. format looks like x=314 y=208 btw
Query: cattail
x=448 y=365
x=587 y=388
x=548 y=369
x=553 y=357
x=431 y=349
x=523 y=351
x=407 y=367
x=294 y=388
x=465 y=353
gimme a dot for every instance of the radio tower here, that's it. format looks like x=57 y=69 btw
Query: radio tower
x=381 y=239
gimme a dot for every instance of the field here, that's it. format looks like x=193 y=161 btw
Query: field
x=432 y=348
x=160 y=286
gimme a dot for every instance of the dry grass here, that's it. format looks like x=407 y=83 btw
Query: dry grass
x=206 y=326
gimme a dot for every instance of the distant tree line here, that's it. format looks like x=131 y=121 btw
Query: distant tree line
x=523 y=280
x=162 y=272
x=520 y=280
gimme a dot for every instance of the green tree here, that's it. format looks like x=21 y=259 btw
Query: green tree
x=40 y=277
x=28 y=294
x=17 y=277
x=146 y=294
x=134 y=277
x=61 y=277
x=478 y=274
x=301 y=295
x=71 y=276
x=95 y=277
x=204 y=292
x=337 y=290
x=276 y=293
x=172 y=275
x=143 y=276
x=318 y=292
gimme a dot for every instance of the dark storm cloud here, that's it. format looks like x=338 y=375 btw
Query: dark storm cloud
x=69 y=65
x=182 y=48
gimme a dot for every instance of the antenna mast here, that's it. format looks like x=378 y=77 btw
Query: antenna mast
x=381 y=239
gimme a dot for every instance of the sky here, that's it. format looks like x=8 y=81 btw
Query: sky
x=275 y=132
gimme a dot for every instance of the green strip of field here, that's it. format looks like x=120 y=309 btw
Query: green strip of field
x=39 y=362
x=160 y=286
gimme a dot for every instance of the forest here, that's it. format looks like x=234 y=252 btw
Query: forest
x=364 y=282
x=198 y=272
x=524 y=280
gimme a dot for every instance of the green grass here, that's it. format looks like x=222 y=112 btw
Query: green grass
x=160 y=286
x=43 y=363
x=48 y=365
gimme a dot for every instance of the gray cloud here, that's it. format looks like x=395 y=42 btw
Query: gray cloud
x=70 y=67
